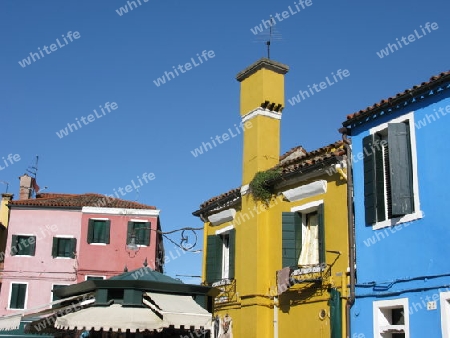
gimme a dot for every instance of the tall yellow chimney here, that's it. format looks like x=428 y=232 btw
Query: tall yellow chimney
x=262 y=101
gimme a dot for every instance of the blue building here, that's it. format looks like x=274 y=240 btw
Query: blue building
x=401 y=226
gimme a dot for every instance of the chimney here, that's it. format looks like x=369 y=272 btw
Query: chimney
x=261 y=104
x=25 y=187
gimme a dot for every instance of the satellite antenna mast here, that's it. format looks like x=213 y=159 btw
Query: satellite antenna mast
x=270 y=38
x=270 y=35
x=33 y=168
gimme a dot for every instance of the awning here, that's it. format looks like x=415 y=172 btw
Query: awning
x=162 y=311
x=179 y=310
x=114 y=317
x=12 y=322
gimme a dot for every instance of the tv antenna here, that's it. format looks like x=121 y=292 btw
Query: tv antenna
x=33 y=167
x=269 y=35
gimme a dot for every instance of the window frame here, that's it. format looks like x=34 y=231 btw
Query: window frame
x=380 y=305
x=10 y=295
x=304 y=210
x=52 y=295
x=96 y=277
x=147 y=231
x=219 y=272
x=107 y=230
x=74 y=246
x=417 y=213
x=444 y=300
x=31 y=245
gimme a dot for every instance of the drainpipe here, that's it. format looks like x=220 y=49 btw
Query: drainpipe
x=351 y=229
x=275 y=317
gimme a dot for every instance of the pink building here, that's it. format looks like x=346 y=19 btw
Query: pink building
x=61 y=239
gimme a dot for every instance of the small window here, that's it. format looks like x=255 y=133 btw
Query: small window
x=23 y=245
x=98 y=231
x=64 y=247
x=391 y=318
x=220 y=256
x=94 y=278
x=141 y=231
x=18 y=296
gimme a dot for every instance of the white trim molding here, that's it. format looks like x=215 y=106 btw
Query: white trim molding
x=263 y=112
x=224 y=230
x=222 y=217
x=308 y=207
x=245 y=189
x=304 y=191
x=381 y=319
x=120 y=211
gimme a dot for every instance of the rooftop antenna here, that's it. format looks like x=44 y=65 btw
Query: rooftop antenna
x=33 y=167
x=7 y=185
x=269 y=35
x=137 y=195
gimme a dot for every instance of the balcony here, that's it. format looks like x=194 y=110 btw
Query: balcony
x=227 y=289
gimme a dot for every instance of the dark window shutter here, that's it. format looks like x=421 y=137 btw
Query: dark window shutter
x=21 y=296
x=14 y=296
x=32 y=246
x=130 y=230
x=213 y=259
x=55 y=247
x=370 y=194
x=379 y=181
x=14 y=243
x=400 y=162
x=291 y=238
x=73 y=246
x=107 y=231
x=231 y=252
x=147 y=226
x=321 y=224
x=90 y=234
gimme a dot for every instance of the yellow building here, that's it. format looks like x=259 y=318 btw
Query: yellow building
x=277 y=246
x=4 y=220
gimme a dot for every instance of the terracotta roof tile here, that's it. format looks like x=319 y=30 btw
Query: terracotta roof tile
x=406 y=94
x=79 y=201
x=289 y=164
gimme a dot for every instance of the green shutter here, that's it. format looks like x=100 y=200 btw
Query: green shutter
x=73 y=247
x=107 y=231
x=147 y=233
x=291 y=238
x=32 y=246
x=335 y=313
x=213 y=259
x=14 y=243
x=55 y=247
x=90 y=235
x=130 y=230
x=379 y=181
x=231 y=252
x=369 y=180
x=321 y=224
x=14 y=296
x=400 y=163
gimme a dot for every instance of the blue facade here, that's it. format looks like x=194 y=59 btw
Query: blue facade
x=406 y=260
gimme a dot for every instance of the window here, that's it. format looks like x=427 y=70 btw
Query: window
x=18 y=296
x=54 y=297
x=220 y=256
x=141 y=230
x=98 y=231
x=95 y=277
x=64 y=247
x=390 y=184
x=303 y=236
x=391 y=318
x=445 y=313
x=23 y=245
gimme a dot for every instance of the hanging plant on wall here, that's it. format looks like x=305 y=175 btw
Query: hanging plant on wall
x=259 y=187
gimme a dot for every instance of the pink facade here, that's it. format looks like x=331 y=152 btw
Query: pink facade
x=61 y=239
x=98 y=259
x=41 y=271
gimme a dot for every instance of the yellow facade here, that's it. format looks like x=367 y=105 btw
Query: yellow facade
x=4 y=211
x=251 y=297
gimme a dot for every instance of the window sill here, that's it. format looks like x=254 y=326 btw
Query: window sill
x=63 y=258
x=398 y=220
x=22 y=256
x=97 y=244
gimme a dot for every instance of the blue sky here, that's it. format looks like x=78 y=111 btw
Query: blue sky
x=117 y=58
